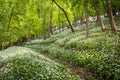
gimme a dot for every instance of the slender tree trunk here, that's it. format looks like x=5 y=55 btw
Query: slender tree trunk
x=2 y=47
x=111 y=18
x=39 y=11
x=59 y=21
x=40 y=15
x=10 y=18
x=82 y=18
x=87 y=18
x=50 y=21
x=51 y=18
x=65 y=15
x=44 y=19
x=98 y=15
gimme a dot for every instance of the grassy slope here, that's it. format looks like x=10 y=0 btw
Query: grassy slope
x=19 y=63
x=100 y=53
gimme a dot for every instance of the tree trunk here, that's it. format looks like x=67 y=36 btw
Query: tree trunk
x=50 y=21
x=10 y=18
x=44 y=19
x=87 y=18
x=59 y=21
x=39 y=16
x=111 y=18
x=65 y=15
x=82 y=19
x=98 y=15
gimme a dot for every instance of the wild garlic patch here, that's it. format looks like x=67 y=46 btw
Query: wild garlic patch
x=23 y=63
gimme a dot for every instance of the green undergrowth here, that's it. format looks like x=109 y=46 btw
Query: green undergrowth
x=19 y=63
x=100 y=53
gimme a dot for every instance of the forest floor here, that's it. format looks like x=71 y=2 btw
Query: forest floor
x=91 y=59
x=82 y=72
x=95 y=58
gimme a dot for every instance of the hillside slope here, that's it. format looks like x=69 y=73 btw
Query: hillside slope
x=100 y=53
x=19 y=63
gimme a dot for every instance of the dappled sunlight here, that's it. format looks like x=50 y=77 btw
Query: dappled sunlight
x=13 y=51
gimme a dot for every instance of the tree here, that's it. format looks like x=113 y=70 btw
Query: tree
x=50 y=20
x=10 y=17
x=98 y=15
x=44 y=19
x=111 y=18
x=64 y=14
x=87 y=18
x=59 y=20
x=115 y=4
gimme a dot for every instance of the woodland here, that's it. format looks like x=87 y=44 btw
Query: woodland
x=59 y=40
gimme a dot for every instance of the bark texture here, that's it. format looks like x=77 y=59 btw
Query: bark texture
x=111 y=18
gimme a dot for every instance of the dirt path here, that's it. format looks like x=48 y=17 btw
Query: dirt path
x=82 y=72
